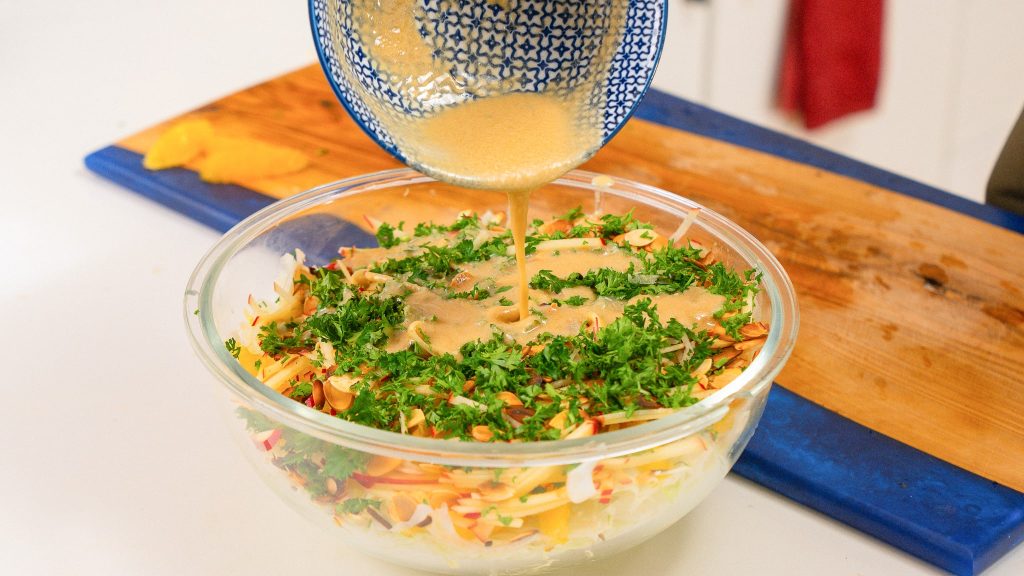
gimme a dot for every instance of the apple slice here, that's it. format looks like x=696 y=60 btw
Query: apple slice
x=267 y=439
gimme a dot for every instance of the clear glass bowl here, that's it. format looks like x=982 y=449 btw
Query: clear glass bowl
x=645 y=477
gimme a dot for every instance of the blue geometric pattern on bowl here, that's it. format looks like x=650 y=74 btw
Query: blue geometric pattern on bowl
x=523 y=45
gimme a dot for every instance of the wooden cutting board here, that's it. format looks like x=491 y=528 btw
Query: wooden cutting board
x=912 y=313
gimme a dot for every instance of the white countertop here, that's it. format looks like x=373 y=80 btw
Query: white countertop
x=115 y=460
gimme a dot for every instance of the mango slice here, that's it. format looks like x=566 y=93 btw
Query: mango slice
x=238 y=159
x=554 y=523
x=179 y=145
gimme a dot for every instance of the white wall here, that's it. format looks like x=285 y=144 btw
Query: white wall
x=952 y=81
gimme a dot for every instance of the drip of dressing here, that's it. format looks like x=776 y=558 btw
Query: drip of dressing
x=515 y=142
x=518 y=207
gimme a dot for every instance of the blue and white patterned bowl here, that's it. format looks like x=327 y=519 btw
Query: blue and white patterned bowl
x=491 y=47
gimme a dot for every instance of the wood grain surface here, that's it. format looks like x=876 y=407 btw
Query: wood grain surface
x=912 y=321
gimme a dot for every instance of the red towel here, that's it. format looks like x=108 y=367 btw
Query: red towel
x=831 y=58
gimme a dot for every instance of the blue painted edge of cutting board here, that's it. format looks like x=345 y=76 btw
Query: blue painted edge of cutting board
x=801 y=450
x=219 y=206
x=938 y=512
x=667 y=110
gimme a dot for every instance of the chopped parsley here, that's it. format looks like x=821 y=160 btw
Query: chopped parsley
x=357 y=505
x=233 y=348
x=386 y=235
x=574 y=301
x=637 y=361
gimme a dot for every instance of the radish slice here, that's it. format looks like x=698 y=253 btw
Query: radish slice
x=463 y=401
x=420 y=514
x=267 y=439
x=372 y=222
x=579 y=482
x=684 y=226
x=441 y=525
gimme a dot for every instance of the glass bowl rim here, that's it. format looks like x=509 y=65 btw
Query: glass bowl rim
x=208 y=344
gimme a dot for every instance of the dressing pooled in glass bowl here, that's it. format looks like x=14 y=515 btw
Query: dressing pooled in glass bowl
x=474 y=479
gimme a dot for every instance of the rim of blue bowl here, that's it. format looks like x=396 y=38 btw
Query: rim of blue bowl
x=343 y=100
x=650 y=78
x=326 y=69
x=208 y=343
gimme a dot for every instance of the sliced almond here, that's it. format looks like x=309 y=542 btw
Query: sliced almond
x=482 y=433
x=533 y=350
x=737 y=362
x=519 y=413
x=751 y=344
x=640 y=237
x=381 y=465
x=318 y=393
x=509 y=398
x=754 y=330
x=585 y=429
x=555 y=226
x=719 y=331
x=505 y=314
x=364 y=278
x=416 y=417
x=724 y=356
x=648 y=403
x=726 y=376
x=339 y=399
x=702 y=369
x=659 y=243
x=558 y=421
x=719 y=343
x=445 y=496
x=343 y=382
x=401 y=507
x=419 y=336
x=332 y=486
x=309 y=305
x=461 y=282
x=496 y=491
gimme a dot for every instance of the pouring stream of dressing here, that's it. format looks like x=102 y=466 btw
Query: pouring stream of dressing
x=514 y=142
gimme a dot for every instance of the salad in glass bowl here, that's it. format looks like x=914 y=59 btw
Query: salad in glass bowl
x=378 y=374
